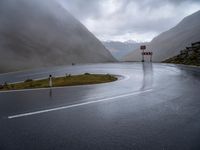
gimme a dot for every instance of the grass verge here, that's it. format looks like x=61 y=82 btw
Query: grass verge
x=68 y=80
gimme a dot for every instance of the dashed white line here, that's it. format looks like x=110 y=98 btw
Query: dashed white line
x=76 y=105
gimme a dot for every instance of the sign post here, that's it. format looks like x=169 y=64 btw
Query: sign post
x=143 y=47
x=147 y=53
x=151 y=54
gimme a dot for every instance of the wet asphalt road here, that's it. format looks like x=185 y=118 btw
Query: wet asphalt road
x=152 y=107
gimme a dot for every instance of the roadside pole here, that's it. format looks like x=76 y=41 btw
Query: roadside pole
x=142 y=47
x=151 y=56
x=143 y=56
x=50 y=81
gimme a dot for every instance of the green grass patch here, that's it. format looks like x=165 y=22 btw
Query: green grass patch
x=68 y=80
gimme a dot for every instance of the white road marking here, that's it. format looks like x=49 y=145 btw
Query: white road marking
x=76 y=105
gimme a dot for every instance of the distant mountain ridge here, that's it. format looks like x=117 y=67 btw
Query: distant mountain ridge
x=169 y=43
x=120 y=49
x=40 y=33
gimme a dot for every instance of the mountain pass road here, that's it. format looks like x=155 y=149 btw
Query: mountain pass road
x=151 y=106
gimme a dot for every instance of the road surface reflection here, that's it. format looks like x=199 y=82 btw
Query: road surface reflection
x=147 y=80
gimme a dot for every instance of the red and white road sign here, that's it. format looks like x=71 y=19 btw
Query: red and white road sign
x=147 y=53
x=143 y=47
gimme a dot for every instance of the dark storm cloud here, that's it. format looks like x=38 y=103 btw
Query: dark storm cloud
x=130 y=19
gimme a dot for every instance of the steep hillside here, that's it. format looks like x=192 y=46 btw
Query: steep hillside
x=188 y=56
x=169 y=43
x=39 y=33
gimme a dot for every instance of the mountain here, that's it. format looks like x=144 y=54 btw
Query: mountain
x=169 y=43
x=120 y=49
x=188 y=56
x=40 y=33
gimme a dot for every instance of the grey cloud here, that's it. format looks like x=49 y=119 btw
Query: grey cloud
x=181 y=1
x=130 y=16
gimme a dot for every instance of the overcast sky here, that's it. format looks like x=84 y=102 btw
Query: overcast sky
x=138 y=20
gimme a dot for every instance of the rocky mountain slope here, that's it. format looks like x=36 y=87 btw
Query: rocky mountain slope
x=169 y=43
x=39 y=33
x=188 y=56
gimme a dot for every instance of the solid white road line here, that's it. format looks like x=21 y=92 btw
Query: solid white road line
x=77 y=105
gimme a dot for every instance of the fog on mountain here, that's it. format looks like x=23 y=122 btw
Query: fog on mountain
x=40 y=33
